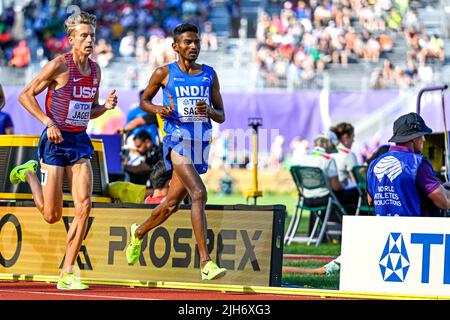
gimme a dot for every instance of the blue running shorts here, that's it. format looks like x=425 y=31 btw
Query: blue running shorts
x=76 y=145
x=197 y=151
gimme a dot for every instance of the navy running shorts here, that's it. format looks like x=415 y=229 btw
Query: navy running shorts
x=76 y=145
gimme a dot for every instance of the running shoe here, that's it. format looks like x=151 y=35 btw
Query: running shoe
x=134 y=247
x=70 y=282
x=332 y=267
x=212 y=272
x=17 y=174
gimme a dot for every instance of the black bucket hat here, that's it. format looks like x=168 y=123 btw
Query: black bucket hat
x=408 y=127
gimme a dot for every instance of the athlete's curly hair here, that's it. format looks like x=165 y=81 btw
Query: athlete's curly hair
x=76 y=19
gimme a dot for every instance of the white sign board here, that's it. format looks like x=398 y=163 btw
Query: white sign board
x=403 y=255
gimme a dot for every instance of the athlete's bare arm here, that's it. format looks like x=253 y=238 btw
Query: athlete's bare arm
x=216 y=112
x=54 y=75
x=110 y=103
x=158 y=79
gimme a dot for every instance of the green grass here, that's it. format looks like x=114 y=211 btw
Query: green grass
x=318 y=281
x=287 y=199
x=325 y=249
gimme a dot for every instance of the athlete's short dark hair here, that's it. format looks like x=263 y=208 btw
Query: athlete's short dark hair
x=159 y=175
x=142 y=135
x=182 y=28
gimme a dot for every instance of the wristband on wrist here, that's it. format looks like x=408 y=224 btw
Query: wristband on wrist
x=51 y=125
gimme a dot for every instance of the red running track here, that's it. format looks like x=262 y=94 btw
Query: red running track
x=24 y=290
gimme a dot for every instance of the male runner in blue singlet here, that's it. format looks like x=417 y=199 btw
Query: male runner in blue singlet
x=191 y=99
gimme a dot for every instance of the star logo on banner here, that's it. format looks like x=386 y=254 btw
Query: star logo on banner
x=394 y=262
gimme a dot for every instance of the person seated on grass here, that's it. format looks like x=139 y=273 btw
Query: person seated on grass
x=331 y=268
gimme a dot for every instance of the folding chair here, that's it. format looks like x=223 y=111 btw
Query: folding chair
x=360 y=175
x=312 y=178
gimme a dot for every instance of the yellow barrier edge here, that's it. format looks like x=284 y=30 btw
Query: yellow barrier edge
x=22 y=140
x=66 y=197
x=323 y=293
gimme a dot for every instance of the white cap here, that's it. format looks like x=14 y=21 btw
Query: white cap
x=330 y=135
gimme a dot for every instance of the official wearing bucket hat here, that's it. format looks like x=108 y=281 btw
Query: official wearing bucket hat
x=408 y=127
x=402 y=181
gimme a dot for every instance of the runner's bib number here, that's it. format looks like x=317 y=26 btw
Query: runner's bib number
x=186 y=109
x=79 y=113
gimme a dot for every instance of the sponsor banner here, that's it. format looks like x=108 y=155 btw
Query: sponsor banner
x=239 y=240
x=402 y=255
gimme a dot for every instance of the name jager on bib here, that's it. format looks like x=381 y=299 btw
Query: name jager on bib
x=187 y=98
x=79 y=113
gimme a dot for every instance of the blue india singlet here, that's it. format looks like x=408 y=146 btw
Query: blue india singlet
x=391 y=182
x=182 y=93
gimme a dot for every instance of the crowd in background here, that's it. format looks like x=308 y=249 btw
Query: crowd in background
x=295 y=45
x=139 y=29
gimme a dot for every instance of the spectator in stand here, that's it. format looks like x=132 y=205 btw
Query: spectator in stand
x=103 y=53
x=6 y=124
x=209 y=38
x=276 y=155
x=386 y=43
x=155 y=49
x=21 y=55
x=372 y=50
x=127 y=47
x=400 y=78
x=299 y=148
x=322 y=13
x=234 y=10
x=141 y=50
x=6 y=41
x=302 y=11
x=156 y=30
x=394 y=19
x=424 y=72
x=434 y=48
x=412 y=38
x=411 y=73
x=376 y=79
x=388 y=73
